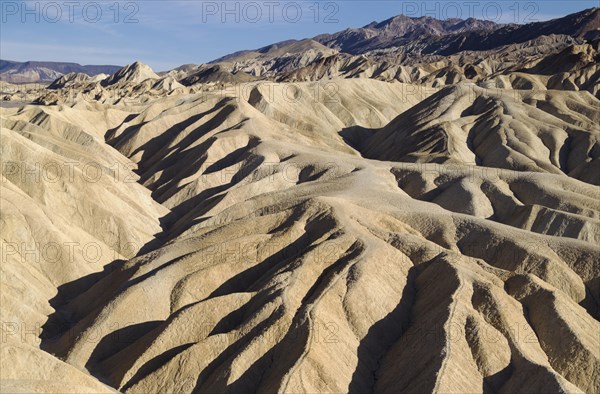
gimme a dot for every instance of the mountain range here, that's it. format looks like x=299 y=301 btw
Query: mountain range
x=35 y=71
x=426 y=35
x=410 y=36
x=381 y=210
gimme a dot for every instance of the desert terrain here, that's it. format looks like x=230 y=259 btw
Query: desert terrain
x=409 y=207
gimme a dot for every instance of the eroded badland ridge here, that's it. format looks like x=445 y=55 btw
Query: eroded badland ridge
x=413 y=206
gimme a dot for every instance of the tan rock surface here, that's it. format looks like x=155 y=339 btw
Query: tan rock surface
x=331 y=236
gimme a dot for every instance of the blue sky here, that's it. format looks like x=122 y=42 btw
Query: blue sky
x=169 y=33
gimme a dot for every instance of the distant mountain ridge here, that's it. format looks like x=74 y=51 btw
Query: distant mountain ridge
x=40 y=71
x=380 y=48
x=445 y=37
x=399 y=30
x=427 y=35
x=397 y=41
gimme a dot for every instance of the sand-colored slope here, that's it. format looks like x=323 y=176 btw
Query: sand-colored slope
x=287 y=262
x=214 y=133
x=332 y=286
x=548 y=131
x=293 y=264
x=70 y=206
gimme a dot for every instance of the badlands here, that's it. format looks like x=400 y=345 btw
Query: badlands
x=320 y=216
